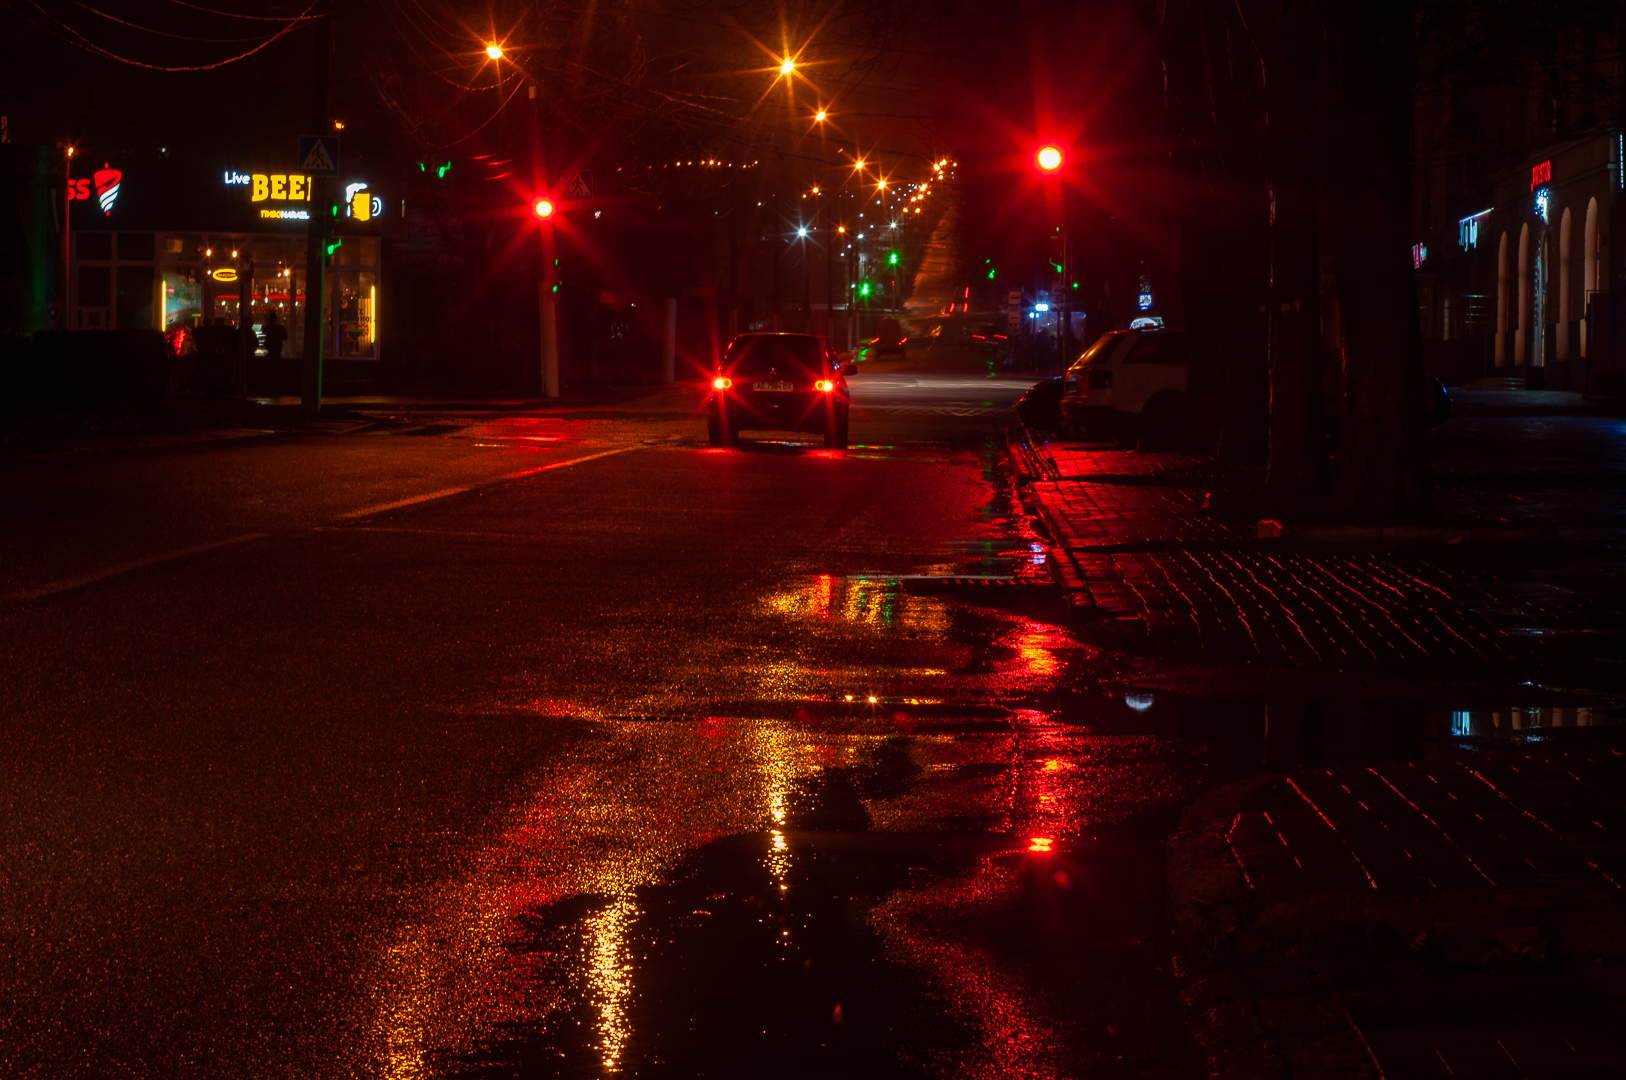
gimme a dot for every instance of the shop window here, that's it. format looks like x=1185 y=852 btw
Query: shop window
x=93 y=245
x=355 y=302
x=95 y=286
x=135 y=297
x=182 y=247
x=357 y=251
x=135 y=247
x=181 y=298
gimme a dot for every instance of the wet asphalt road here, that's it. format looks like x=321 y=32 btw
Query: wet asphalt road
x=619 y=755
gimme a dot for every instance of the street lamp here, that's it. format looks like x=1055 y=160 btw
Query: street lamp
x=1049 y=159
x=494 y=51
x=544 y=208
x=787 y=67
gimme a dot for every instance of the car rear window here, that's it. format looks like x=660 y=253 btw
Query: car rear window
x=1101 y=349
x=1159 y=349
x=760 y=355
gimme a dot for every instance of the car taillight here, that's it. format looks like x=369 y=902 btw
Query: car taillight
x=825 y=385
x=1100 y=380
x=722 y=382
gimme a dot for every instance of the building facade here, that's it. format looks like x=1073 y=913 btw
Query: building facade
x=171 y=244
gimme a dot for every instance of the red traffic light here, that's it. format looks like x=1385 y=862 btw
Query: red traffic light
x=1049 y=158
x=544 y=208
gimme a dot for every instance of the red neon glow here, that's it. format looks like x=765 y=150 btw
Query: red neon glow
x=722 y=382
x=824 y=385
x=1541 y=174
x=107 y=188
x=1040 y=843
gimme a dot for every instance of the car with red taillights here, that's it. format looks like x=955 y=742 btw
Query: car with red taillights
x=779 y=382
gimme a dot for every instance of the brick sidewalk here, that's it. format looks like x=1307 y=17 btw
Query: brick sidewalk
x=1143 y=562
x=1457 y=916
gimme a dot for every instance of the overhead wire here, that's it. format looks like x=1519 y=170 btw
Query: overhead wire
x=79 y=40
x=162 y=33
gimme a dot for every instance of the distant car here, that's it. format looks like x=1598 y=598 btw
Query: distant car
x=1129 y=385
x=779 y=382
x=889 y=340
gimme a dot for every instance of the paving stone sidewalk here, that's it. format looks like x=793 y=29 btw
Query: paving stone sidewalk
x=1143 y=561
x=1461 y=915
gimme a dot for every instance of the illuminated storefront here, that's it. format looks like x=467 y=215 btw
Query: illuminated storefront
x=182 y=245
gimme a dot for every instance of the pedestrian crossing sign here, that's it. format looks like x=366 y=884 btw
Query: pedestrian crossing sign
x=578 y=184
x=319 y=155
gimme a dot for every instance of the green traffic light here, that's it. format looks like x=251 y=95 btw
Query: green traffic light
x=893 y=258
x=991 y=274
x=443 y=170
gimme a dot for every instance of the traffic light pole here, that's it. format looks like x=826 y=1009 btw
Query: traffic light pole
x=547 y=286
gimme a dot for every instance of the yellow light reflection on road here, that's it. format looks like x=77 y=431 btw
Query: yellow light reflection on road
x=609 y=976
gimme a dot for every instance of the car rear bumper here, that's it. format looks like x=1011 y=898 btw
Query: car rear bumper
x=796 y=411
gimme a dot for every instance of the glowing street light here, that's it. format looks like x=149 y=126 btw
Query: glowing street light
x=801 y=231
x=1050 y=159
x=494 y=51
x=820 y=116
x=787 y=66
x=544 y=208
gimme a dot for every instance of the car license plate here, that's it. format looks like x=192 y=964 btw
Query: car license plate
x=781 y=387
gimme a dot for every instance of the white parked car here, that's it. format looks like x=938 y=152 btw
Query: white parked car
x=1129 y=385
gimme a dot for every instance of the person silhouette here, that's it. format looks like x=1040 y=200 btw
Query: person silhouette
x=275 y=335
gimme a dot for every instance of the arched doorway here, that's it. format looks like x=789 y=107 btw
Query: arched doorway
x=1564 y=316
x=1589 y=265
x=1501 y=301
x=1521 y=341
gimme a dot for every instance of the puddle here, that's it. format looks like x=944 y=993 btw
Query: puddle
x=829 y=946
x=1518 y=723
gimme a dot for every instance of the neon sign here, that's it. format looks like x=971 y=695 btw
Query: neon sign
x=281 y=187
x=1541 y=174
x=361 y=204
x=107 y=182
x=1419 y=255
x=1543 y=198
x=225 y=273
x=1468 y=229
x=232 y=177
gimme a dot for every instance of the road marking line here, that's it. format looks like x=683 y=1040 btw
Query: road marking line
x=397 y=504
x=180 y=553
x=572 y=461
x=123 y=568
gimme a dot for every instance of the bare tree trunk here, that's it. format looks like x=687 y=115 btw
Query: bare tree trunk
x=1382 y=464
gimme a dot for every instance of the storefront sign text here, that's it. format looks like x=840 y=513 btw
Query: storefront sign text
x=279 y=186
x=1541 y=174
x=107 y=188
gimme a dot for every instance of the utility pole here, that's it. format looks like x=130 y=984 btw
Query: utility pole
x=778 y=256
x=316 y=233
